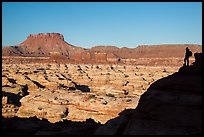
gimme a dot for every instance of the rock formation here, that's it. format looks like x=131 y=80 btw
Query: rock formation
x=170 y=106
x=44 y=45
x=76 y=92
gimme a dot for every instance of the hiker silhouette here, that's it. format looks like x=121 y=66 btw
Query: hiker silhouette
x=187 y=55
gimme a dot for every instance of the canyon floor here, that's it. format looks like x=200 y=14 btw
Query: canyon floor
x=75 y=92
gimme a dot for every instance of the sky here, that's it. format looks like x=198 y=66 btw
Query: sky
x=88 y=24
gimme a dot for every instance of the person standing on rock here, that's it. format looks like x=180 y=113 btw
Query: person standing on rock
x=187 y=55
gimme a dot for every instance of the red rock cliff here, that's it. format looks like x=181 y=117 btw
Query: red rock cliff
x=43 y=44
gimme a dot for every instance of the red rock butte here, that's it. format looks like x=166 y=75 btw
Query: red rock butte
x=53 y=45
x=48 y=35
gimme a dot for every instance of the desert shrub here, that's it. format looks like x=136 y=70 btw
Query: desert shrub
x=105 y=103
x=110 y=95
x=64 y=114
x=39 y=108
x=97 y=67
x=92 y=96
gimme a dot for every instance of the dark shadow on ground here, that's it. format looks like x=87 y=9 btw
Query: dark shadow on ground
x=13 y=81
x=35 y=82
x=82 y=88
x=25 y=90
x=38 y=84
x=15 y=98
x=35 y=126
x=12 y=98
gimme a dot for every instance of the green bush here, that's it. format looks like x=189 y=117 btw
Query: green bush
x=110 y=95
x=92 y=96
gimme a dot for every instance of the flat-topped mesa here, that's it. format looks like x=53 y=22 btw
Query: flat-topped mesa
x=46 y=35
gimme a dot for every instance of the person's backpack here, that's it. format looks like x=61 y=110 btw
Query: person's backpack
x=190 y=53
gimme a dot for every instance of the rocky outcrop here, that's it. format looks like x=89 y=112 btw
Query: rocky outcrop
x=196 y=66
x=46 y=36
x=43 y=45
x=100 y=57
x=170 y=106
x=12 y=51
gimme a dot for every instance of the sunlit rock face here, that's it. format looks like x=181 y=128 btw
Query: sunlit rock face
x=76 y=92
x=43 y=44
